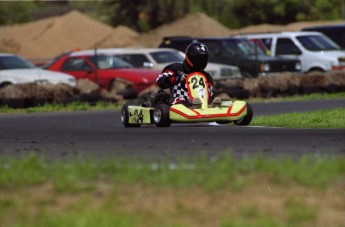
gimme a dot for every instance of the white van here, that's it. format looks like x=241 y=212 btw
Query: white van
x=316 y=51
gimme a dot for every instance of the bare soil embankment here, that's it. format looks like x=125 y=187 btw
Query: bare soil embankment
x=47 y=38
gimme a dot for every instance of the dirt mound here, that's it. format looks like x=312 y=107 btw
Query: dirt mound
x=50 y=37
x=259 y=28
x=297 y=26
x=121 y=36
x=47 y=38
x=196 y=24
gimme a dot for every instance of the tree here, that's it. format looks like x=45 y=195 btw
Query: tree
x=16 y=12
x=251 y=12
x=143 y=15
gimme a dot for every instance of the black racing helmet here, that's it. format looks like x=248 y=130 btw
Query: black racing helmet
x=196 y=56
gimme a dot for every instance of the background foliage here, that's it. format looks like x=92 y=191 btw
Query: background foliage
x=143 y=15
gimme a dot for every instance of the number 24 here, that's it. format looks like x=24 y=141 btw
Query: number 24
x=196 y=83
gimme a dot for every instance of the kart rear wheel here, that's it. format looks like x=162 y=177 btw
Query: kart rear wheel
x=161 y=116
x=125 y=118
x=246 y=119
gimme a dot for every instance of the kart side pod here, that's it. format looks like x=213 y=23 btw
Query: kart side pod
x=224 y=113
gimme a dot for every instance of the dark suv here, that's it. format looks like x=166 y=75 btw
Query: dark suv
x=240 y=52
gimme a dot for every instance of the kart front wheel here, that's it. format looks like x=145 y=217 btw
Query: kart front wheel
x=246 y=119
x=125 y=117
x=223 y=122
x=161 y=116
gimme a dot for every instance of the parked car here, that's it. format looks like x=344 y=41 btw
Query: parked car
x=315 y=50
x=104 y=69
x=17 y=70
x=335 y=32
x=235 y=51
x=158 y=58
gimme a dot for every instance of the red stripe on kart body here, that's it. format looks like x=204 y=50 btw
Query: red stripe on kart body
x=183 y=114
x=228 y=114
x=229 y=110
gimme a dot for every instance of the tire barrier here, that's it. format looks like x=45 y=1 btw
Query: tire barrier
x=283 y=84
x=31 y=94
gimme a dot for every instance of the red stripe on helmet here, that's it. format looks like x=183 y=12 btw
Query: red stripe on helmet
x=188 y=61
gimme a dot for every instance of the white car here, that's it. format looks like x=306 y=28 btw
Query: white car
x=158 y=58
x=16 y=70
x=316 y=51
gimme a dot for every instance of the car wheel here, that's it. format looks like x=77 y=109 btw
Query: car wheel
x=161 y=116
x=125 y=117
x=315 y=70
x=246 y=119
x=4 y=84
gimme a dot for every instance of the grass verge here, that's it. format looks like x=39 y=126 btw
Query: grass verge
x=313 y=96
x=75 y=106
x=333 y=118
x=253 y=191
x=78 y=106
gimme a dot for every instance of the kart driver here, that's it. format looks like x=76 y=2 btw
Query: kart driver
x=174 y=75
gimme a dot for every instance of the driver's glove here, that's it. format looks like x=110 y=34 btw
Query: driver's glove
x=181 y=77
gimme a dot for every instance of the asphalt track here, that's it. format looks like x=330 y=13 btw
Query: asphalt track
x=100 y=134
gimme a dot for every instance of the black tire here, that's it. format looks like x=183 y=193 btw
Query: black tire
x=14 y=103
x=128 y=93
x=125 y=118
x=247 y=75
x=246 y=119
x=238 y=93
x=223 y=122
x=161 y=116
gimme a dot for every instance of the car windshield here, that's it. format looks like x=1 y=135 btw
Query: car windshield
x=166 y=56
x=14 y=62
x=317 y=43
x=241 y=47
x=109 y=62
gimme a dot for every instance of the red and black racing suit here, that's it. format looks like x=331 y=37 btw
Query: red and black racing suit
x=170 y=78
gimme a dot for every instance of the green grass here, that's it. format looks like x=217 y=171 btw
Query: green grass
x=226 y=191
x=75 y=106
x=78 y=106
x=313 y=96
x=333 y=118
x=225 y=171
x=122 y=192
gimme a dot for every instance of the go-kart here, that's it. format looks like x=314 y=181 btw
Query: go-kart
x=162 y=113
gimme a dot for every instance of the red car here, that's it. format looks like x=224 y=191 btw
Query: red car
x=102 y=69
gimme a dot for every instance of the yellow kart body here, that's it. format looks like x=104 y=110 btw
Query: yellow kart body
x=234 y=111
x=163 y=114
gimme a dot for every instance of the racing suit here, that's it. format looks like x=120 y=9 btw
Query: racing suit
x=173 y=77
